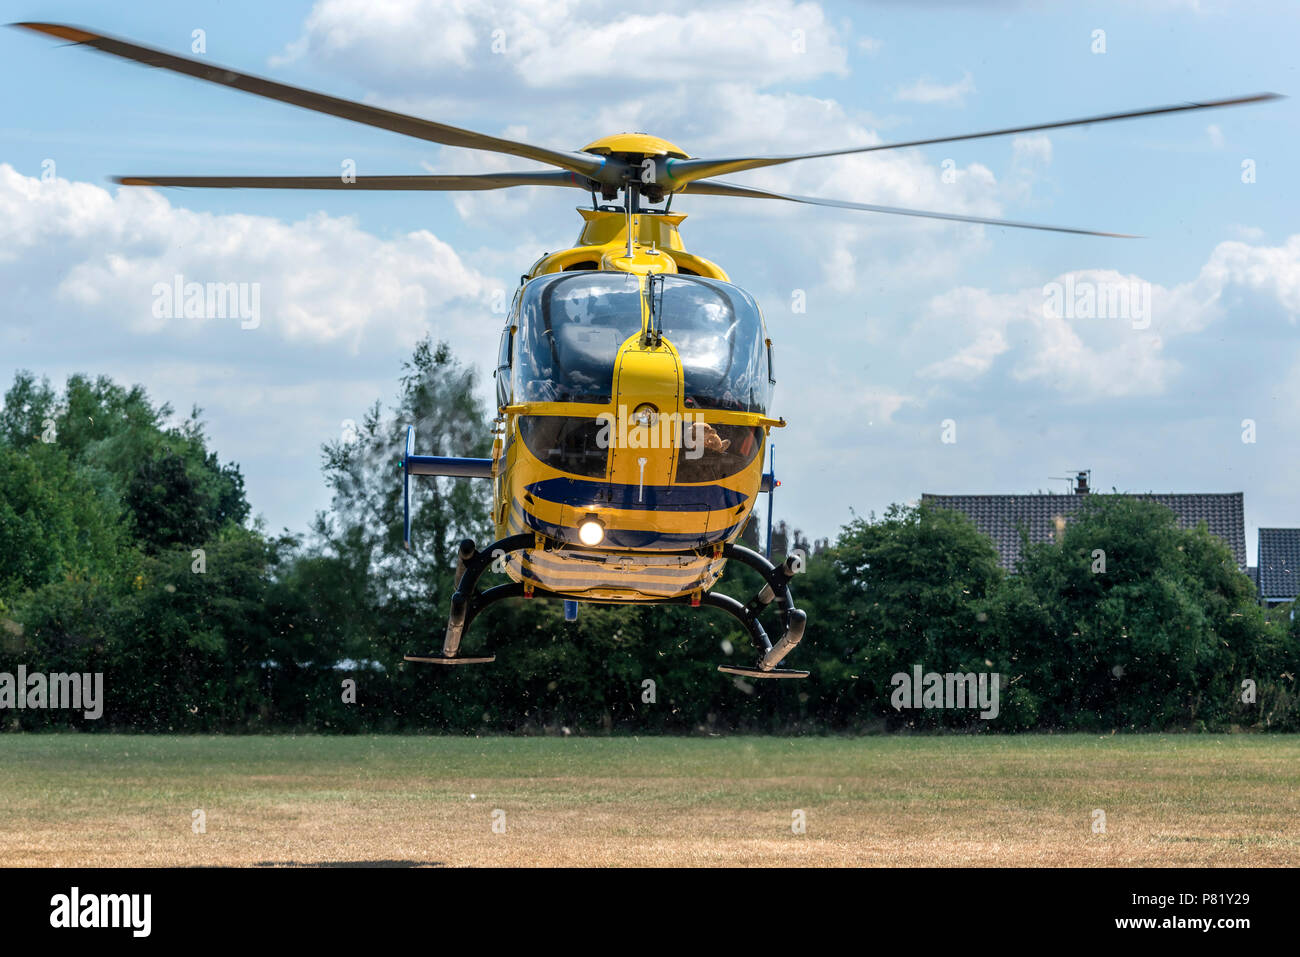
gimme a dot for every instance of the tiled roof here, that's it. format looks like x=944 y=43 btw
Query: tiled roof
x=1000 y=516
x=1279 y=562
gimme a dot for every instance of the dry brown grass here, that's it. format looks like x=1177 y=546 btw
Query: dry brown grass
x=102 y=800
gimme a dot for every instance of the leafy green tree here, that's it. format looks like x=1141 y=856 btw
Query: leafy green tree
x=102 y=504
x=391 y=600
x=124 y=549
x=170 y=488
x=54 y=525
x=185 y=645
x=913 y=590
x=1272 y=673
x=27 y=412
x=1130 y=622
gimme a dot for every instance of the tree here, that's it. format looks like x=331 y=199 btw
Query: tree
x=910 y=588
x=101 y=506
x=53 y=523
x=1130 y=622
x=391 y=599
x=170 y=488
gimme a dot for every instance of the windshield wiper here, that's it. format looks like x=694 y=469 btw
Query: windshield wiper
x=655 y=300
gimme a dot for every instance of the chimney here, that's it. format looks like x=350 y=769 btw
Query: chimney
x=1081 y=481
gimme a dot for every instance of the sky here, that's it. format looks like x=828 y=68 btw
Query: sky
x=912 y=355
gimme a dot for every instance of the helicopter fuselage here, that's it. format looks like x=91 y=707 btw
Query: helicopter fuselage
x=633 y=393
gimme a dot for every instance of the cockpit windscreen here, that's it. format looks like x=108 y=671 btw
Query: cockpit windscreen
x=571 y=326
x=718 y=332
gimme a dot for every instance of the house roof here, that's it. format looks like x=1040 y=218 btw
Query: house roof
x=1279 y=562
x=1000 y=517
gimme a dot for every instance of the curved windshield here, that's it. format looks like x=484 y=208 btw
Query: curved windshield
x=570 y=328
x=718 y=332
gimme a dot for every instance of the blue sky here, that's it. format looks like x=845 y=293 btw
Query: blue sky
x=908 y=323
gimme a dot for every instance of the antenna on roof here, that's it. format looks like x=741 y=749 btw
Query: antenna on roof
x=1081 y=479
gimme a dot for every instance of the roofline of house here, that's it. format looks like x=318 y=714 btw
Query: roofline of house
x=1068 y=495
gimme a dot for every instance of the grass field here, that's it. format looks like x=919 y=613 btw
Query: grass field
x=128 y=800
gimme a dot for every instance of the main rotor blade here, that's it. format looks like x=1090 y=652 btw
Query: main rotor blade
x=705 y=187
x=584 y=163
x=676 y=172
x=475 y=182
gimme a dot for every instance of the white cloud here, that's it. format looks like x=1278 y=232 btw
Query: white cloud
x=550 y=44
x=1032 y=148
x=1087 y=358
x=876 y=405
x=1274 y=270
x=1252 y=234
x=927 y=90
x=321 y=280
x=340 y=309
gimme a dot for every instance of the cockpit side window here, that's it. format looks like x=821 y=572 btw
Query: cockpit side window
x=711 y=453
x=571 y=326
x=503 y=365
x=717 y=330
x=503 y=354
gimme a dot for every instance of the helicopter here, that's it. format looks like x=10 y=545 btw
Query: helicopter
x=633 y=378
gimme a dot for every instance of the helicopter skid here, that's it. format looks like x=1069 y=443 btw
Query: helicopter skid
x=760 y=673
x=468 y=602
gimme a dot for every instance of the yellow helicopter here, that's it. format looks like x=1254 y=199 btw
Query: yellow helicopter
x=633 y=380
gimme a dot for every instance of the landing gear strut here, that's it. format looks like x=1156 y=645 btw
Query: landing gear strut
x=793 y=620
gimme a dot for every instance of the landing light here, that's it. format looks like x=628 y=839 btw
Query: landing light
x=591 y=531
